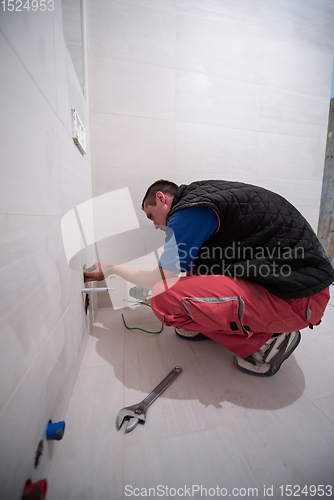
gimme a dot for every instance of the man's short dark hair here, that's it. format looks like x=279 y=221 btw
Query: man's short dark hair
x=166 y=187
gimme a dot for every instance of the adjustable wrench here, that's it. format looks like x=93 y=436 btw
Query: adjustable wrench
x=137 y=413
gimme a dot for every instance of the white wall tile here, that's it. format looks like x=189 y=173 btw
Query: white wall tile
x=217 y=101
x=29 y=161
x=132 y=142
x=164 y=5
x=110 y=179
x=58 y=13
x=306 y=23
x=292 y=113
x=291 y=157
x=31 y=36
x=40 y=398
x=206 y=148
x=75 y=173
x=69 y=91
x=44 y=326
x=62 y=65
x=294 y=67
x=129 y=88
x=131 y=32
x=219 y=46
x=73 y=33
x=95 y=387
x=249 y=14
x=36 y=294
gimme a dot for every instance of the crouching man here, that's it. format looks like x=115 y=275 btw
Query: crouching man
x=256 y=273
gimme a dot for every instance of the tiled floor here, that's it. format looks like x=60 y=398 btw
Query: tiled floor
x=214 y=427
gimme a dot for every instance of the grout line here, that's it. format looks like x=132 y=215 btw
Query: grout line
x=221 y=126
x=320 y=409
x=313 y=181
x=208 y=74
x=320 y=399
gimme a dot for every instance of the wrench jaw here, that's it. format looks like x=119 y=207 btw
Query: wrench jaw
x=137 y=413
x=131 y=417
x=131 y=424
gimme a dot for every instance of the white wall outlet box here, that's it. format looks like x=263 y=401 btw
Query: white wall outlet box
x=78 y=132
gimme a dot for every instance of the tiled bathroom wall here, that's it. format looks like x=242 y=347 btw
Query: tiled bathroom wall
x=43 y=175
x=177 y=89
x=195 y=89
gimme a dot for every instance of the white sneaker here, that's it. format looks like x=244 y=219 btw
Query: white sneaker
x=267 y=360
x=190 y=335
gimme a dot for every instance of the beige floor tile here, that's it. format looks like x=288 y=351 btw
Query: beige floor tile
x=326 y=325
x=208 y=458
x=105 y=345
x=313 y=370
x=212 y=427
x=326 y=405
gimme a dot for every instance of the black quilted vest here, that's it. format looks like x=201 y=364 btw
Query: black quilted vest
x=261 y=237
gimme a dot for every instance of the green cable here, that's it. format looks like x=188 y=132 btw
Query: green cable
x=136 y=328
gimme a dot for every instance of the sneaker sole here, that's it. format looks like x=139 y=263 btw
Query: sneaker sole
x=277 y=362
x=197 y=337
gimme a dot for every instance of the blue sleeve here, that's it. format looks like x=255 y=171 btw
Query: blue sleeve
x=186 y=232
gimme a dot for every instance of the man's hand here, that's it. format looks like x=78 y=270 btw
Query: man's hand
x=144 y=279
x=98 y=272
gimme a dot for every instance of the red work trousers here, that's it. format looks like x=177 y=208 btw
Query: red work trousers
x=238 y=314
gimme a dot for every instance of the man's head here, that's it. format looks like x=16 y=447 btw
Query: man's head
x=157 y=202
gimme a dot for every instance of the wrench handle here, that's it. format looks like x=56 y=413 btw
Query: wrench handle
x=160 y=388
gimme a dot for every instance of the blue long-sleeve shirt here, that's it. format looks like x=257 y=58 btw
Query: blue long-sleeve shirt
x=186 y=232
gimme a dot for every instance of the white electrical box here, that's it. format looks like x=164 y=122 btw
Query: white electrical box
x=78 y=132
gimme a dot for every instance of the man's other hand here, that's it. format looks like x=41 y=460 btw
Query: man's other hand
x=98 y=272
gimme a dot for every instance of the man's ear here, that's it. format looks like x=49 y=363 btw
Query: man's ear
x=160 y=197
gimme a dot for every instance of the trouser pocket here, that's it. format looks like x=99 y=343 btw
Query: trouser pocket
x=218 y=313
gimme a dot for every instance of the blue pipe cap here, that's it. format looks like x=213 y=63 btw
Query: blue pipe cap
x=55 y=430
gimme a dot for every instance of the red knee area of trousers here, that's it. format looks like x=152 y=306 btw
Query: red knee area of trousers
x=264 y=314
